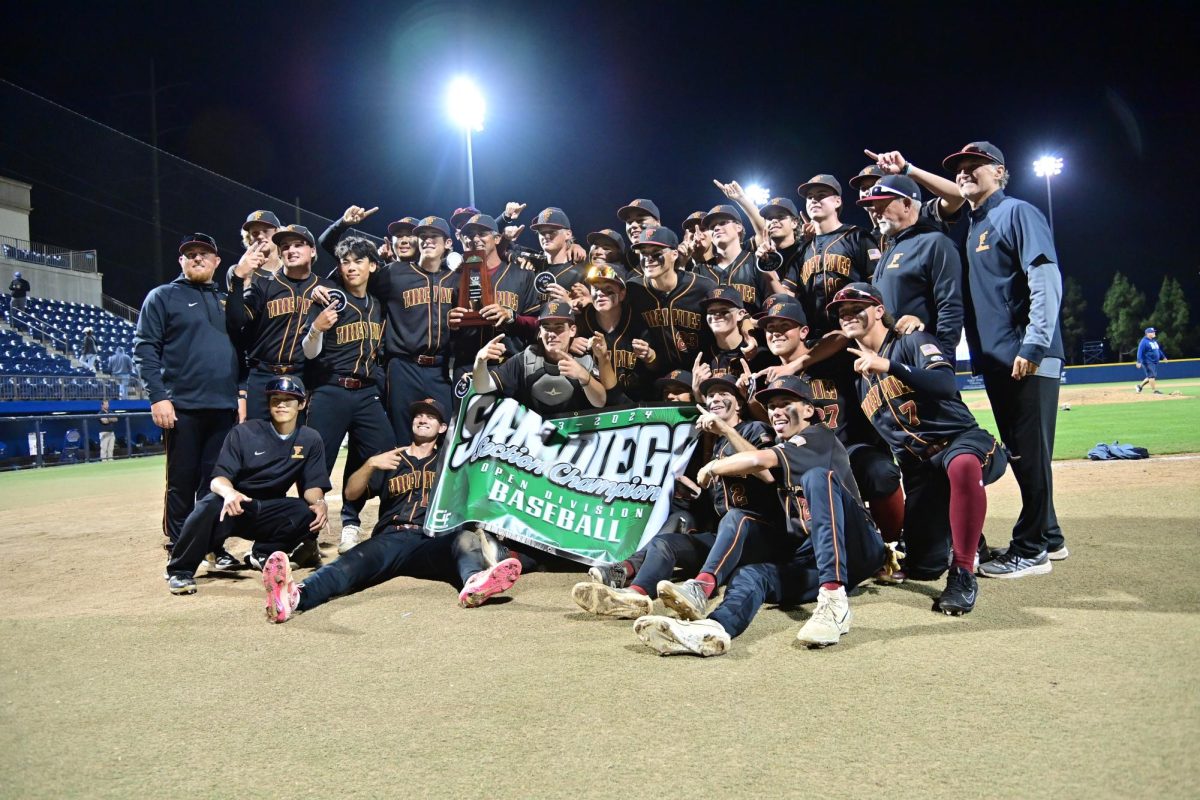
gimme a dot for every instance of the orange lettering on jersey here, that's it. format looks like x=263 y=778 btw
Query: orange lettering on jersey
x=411 y=481
x=358 y=331
x=889 y=388
x=832 y=262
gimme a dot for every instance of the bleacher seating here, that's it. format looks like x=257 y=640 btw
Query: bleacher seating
x=109 y=330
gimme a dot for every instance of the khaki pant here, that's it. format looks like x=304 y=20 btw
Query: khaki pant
x=108 y=440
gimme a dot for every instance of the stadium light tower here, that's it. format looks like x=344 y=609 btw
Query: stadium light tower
x=759 y=195
x=466 y=105
x=1047 y=167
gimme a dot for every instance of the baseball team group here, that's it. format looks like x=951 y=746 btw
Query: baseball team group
x=834 y=446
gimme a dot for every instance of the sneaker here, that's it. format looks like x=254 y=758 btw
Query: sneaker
x=489 y=582
x=1061 y=554
x=672 y=637
x=223 y=561
x=1138 y=388
x=686 y=599
x=351 y=535
x=283 y=595
x=830 y=619
x=613 y=575
x=181 y=584
x=1012 y=565
x=961 y=592
x=306 y=554
x=605 y=601
x=254 y=561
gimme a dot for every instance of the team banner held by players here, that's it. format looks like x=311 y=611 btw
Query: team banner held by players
x=593 y=487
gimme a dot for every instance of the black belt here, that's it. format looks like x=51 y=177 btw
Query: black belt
x=348 y=383
x=429 y=361
x=276 y=369
x=406 y=526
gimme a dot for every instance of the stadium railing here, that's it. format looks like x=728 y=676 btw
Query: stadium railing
x=48 y=255
x=66 y=387
x=45 y=441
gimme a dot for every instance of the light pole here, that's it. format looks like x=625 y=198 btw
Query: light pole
x=759 y=195
x=465 y=103
x=1047 y=167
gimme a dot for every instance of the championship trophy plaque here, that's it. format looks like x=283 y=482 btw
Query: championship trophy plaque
x=474 y=289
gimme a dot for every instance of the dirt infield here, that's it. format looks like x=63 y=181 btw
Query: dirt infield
x=1074 y=684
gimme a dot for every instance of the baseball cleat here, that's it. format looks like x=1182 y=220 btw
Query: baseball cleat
x=1012 y=565
x=830 y=620
x=613 y=575
x=351 y=535
x=306 y=554
x=489 y=582
x=962 y=590
x=181 y=584
x=671 y=637
x=283 y=595
x=686 y=599
x=605 y=601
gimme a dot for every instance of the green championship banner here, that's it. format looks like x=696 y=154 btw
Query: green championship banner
x=593 y=487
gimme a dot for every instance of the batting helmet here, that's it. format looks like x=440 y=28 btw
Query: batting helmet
x=286 y=384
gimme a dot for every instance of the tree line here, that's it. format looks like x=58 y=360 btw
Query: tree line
x=1125 y=309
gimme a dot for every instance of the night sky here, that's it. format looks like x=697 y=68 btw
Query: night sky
x=593 y=104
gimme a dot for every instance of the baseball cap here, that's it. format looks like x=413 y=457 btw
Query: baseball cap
x=603 y=272
x=429 y=404
x=780 y=204
x=286 y=384
x=857 y=292
x=433 y=225
x=823 y=179
x=1151 y=330
x=785 y=309
x=772 y=299
x=17 y=274
x=890 y=187
x=557 y=309
x=480 y=221
x=461 y=215
x=985 y=150
x=865 y=174
x=293 y=230
x=552 y=217
x=657 y=236
x=403 y=226
x=723 y=294
x=720 y=212
x=726 y=381
x=678 y=377
x=609 y=236
x=202 y=239
x=693 y=220
x=787 y=385
x=640 y=204
x=265 y=217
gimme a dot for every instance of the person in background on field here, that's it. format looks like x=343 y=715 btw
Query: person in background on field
x=1149 y=353
x=120 y=366
x=108 y=432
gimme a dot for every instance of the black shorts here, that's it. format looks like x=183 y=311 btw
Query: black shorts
x=980 y=444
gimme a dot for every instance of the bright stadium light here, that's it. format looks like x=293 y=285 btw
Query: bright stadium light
x=759 y=195
x=466 y=105
x=1047 y=167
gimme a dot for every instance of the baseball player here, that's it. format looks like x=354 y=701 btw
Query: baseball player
x=909 y=392
x=342 y=345
x=920 y=273
x=624 y=332
x=402 y=236
x=669 y=301
x=259 y=462
x=354 y=215
x=272 y=312
x=561 y=278
x=1149 y=354
x=258 y=229
x=748 y=517
x=732 y=265
x=1013 y=329
x=607 y=247
x=190 y=370
x=637 y=216
x=696 y=247
x=731 y=349
x=404 y=479
x=831 y=544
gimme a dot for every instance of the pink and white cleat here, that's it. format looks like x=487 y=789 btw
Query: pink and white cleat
x=491 y=581
x=283 y=595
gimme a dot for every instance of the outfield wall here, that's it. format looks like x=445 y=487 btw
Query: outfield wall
x=1126 y=371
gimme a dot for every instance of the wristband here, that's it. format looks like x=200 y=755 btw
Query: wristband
x=907 y=168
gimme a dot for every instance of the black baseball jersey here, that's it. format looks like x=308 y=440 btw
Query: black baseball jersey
x=911 y=421
x=743 y=275
x=349 y=349
x=634 y=378
x=405 y=491
x=565 y=275
x=827 y=397
x=513 y=288
x=816 y=447
x=921 y=274
x=262 y=465
x=273 y=312
x=827 y=263
x=537 y=384
x=747 y=493
x=418 y=306
x=674 y=319
x=729 y=362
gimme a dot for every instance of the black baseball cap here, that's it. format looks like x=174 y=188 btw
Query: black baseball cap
x=780 y=204
x=640 y=204
x=678 y=377
x=202 y=239
x=828 y=181
x=286 y=384
x=788 y=385
x=603 y=272
x=784 y=309
x=552 y=217
x=693 y=220
x=429 y=404
x=720 y=212
x=480 y=221
x=772 y=299
x=726 y=381
x=872 y=171
x=265 y=217
x=723 y=294
x=657 y=236
x=985 y=150
x=607 y=235
x=433 y=225
x=857 y=292
x=403 y=226
x=288 y=231
x=461 y=215
x=556 y=309
x=889 y=187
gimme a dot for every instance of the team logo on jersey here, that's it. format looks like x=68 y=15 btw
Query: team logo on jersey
x=463 y=386
x=930 y=350
x=298 y=451
x=982 y=238
x=337 y=299
x=738 y=496
x=542 y=281
x=895 y=262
